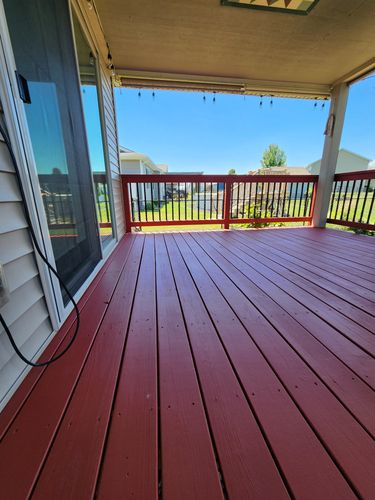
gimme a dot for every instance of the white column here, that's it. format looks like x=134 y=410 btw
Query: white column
x=339 y=98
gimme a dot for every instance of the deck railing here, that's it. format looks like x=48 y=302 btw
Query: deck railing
x=174 y=200
x=353 y=200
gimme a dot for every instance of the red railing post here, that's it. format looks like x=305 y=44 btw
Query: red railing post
x=227 y=202
x=126 y=199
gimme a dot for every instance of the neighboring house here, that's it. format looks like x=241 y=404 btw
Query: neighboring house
x=133 y=162
x=347 y=161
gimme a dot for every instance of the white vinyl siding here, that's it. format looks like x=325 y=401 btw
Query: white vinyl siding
x=26 y=313
x=113 y=151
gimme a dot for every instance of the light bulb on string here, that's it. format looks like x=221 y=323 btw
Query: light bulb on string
x=271 y=101
x=261 y=101
x=139 y=94
x=204 y=98
x=153 y=95
x=214 y=98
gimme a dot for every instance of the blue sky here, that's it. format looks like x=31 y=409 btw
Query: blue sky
x=188 y=134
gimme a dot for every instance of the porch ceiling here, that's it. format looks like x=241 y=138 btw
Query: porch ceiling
x=334 y=42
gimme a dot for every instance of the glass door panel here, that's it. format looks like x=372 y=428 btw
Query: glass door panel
x=43 y=47
x=88 y=73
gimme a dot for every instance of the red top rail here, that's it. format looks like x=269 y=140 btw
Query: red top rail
x=354 y=176
x=176 y=178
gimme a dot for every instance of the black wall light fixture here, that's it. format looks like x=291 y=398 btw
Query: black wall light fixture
x=287 y=6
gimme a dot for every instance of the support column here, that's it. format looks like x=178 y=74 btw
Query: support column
x=339 y=98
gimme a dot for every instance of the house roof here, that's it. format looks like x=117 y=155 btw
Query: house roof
x=130 y=155
x=195 y=44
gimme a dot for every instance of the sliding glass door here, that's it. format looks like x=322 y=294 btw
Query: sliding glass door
x=42 y=41
x=90 y=92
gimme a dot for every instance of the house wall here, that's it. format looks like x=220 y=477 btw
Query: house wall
x=346 y=162
x=26 y=313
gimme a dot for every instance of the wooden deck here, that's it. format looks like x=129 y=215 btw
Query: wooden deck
x=210 y=365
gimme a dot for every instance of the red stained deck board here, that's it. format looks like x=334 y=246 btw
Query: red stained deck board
x=359 y=273
x=324 y=318
x=270 y=300
x=189 y=467
x=9 y=413
x=304 y=280
x=130 y=461
x=250 y=471
x=346 y=440
x=327 y=279
x=27 y=442
x=304 y=461
x=311 y=260
x=80 y=440
x=343 y=241
x=330 y=246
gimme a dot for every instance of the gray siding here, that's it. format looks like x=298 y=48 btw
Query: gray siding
x=26 y=313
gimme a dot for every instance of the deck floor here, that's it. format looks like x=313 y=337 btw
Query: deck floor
x=226 y=364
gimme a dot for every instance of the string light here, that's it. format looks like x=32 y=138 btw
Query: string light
x=271 y=101
x=153 y=95
x=204 y=98
x=261 y=101
x=316 y=103
x=139 y=94
x=214 y=98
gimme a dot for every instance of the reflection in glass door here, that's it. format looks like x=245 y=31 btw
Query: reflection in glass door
x=42 y=42
x=88 y=73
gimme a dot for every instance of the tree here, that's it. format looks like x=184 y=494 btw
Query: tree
x=231 y=171
x=273 y=156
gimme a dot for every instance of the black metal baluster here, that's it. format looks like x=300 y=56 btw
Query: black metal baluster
x=357 y=202
x=199 y=192
x=332 y=200
x=371 y=206
x=295 y=198
x=300 y=195
x=344 y=200
x=290 y=196
x=204 y=200
x=305 y=212
x=351 y=199
x=172 y=196
x=138 y=202
x=261 y=199
x=278 y=200
x=179 y=200
x=131 y=201
x=217 y=200
x=284 y=199
x=166 y=201
x=152 y=201
x=185 y=200
x=192 y=202
x=273 y=198
x=365 y=200
x=159 y=201
x=338 y=200
x=145 y=200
